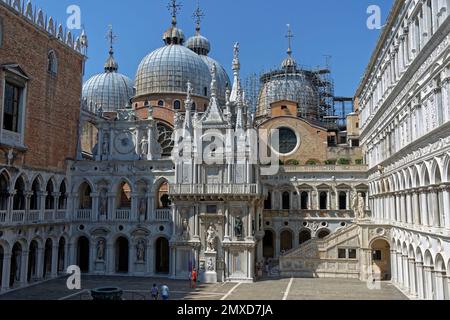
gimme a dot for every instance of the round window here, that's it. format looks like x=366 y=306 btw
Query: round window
x=287 y=141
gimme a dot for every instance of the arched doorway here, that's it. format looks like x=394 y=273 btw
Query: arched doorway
x=32 y=260
x=122 y=255
x=163 y=196
x=85 y=198
x=61 y=254
x=268 y=245
x=323 y=233
x=162 y=255
x=304 y=236
x=4 y=192
x=16 y=263
x=83 y=254
x=286 y=241
x=48 y=258
x=381 y=259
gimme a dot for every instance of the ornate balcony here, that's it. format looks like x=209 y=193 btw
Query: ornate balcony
x=310 y=214
x=214 y=189
x=163 y=215
x=84 y=215
x=123 y=214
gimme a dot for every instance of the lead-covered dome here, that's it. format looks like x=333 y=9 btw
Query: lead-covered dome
x=110 y=90
x=168 y=69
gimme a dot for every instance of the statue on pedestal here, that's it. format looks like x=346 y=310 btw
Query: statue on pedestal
x=101 y=250
x=359 y=206
x=185 y=230
x=140 y=251
x=144 y=147
x=238 y=227
x=211 y=239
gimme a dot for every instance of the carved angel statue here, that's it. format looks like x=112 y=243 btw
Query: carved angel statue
x=211 y=239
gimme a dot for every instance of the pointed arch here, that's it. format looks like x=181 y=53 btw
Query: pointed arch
x=85 y=195
x=62 y=201
x=5 y=187
x=19 y=196
x=49 y=198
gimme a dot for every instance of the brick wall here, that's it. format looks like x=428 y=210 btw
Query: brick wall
x=53 y=102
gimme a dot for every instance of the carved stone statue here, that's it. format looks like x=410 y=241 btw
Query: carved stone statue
x=105 y=146
x=103 y=205
x=211 y=239
x=101 y=250
x=140 y=251
x=210 y=265
x=185 y=230
x=238 y=227
x=144 y=147
x=142 y=207
x=359 y=206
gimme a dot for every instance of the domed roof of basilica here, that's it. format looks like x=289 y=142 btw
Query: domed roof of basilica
x=170 y=68
x=109 y=90
x=290 y=83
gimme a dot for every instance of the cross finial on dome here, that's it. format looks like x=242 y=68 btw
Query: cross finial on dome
x=198 y=16
x=174 y=8
x=289 y=36
x=111 y=65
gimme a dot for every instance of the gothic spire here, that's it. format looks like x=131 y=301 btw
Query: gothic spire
x=236 y=71
x=198 y=16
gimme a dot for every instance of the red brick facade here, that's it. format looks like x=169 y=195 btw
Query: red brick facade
x=52 y=100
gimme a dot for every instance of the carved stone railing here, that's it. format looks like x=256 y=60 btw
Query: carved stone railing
x=3 y=216
x=60 y=215
x=310 y=214
x=163 y=215
x=33 y=216
x=83 y=214
x=18 y=216
x=326 y=168
x=123 y=214
x=214 y=189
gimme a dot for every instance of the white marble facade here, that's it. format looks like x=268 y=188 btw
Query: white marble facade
x=405 y=113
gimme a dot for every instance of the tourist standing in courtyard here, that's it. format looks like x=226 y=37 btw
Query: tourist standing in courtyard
x=165 y=292
x=194 y=279
x=155 y=292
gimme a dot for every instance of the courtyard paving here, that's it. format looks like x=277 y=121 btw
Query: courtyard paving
x=270 y=289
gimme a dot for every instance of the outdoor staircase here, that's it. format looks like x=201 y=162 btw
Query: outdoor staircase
x=319 y=257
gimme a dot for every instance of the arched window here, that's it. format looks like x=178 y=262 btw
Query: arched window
x=1 y=32
x=305 y=200
x=19 y=197
x=177 y=105
x=124 y=196
x=35 y=192
x=160 y=103
x=342 y=201
x=194 y=106
x=268 y=202
x=4 y=191
x=62 y=202
x=163 y=196
x=85 y=196
x=324 y=200
x=286 y=200
x=49 y=199
x=52 y=64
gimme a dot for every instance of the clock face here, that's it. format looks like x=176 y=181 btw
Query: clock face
x=124 y=143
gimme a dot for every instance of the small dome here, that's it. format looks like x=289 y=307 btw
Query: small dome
x=168 y=70
x=110 y=90
x=173 y=35
x=221 y=76
x=289 y=63
x=199 y=44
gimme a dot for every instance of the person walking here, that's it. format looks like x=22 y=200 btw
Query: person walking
x=155 y=292
x=165 y=292
x=194 y=279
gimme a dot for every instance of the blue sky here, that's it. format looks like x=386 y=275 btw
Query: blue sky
x=321 y=27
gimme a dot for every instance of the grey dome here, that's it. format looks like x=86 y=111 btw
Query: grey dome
x=293 y=85
x=222 y=78
x=110 y=90
x=168 y=69
x=199 y=44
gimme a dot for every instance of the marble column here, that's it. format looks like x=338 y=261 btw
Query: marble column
x=439 y=284
x=412 y=277
x=429 y=292
x=110 y=259
x=416 y=213
x=406 y=280
x=420 y=280
x=95 y=207
x=6 y=271
x=40 y=264
x=434 y=207
x=446 y=206
x=394 y=266
x=54 y=270
x=424 y=207
x=24 y=267
x=409 y=210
